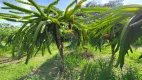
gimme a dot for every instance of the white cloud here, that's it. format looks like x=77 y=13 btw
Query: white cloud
x=132 y=1
x=104 y=1
x=125 y=1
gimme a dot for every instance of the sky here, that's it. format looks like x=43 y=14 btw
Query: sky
x=125 y=1
x=62 y=3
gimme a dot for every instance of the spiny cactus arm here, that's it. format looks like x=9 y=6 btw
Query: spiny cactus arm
x=21 y=9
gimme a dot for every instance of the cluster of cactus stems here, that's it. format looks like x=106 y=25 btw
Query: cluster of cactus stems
x=39 y=27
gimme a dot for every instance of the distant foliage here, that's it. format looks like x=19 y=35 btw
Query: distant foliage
x=5 y=31
x=111 y=4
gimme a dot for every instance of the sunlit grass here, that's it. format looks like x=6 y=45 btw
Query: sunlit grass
x=18 y=69
x=76 y=66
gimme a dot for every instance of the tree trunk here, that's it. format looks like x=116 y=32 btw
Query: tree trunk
x=59 y=44
x=13 y=50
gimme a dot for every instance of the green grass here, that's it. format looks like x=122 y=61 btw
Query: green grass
x=18 y=69
x=77 y=67
x=5 y=51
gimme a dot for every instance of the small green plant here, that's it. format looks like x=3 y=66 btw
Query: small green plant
x=138 y=42
x=36 y=77
x=98 y=71
x=130 y=74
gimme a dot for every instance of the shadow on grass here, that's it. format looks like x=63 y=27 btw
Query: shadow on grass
x=7 y=60
x=131 y=74
x=47 y=71
x=98 y=71
x=91 y=71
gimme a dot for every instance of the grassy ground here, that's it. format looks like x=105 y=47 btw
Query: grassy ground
x=78 y=66
x=12 y=69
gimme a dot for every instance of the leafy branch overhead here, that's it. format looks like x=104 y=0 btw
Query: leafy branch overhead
x=39 y=27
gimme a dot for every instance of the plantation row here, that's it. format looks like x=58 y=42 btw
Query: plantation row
x=118 y=27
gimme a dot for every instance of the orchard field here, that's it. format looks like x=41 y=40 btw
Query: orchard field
x=90 y=42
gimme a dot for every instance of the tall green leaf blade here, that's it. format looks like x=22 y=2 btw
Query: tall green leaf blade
x=38 y=30
x=50 y=5
x=21 y=9
x=38 y=8
x=125 y=40
x=67 y=9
